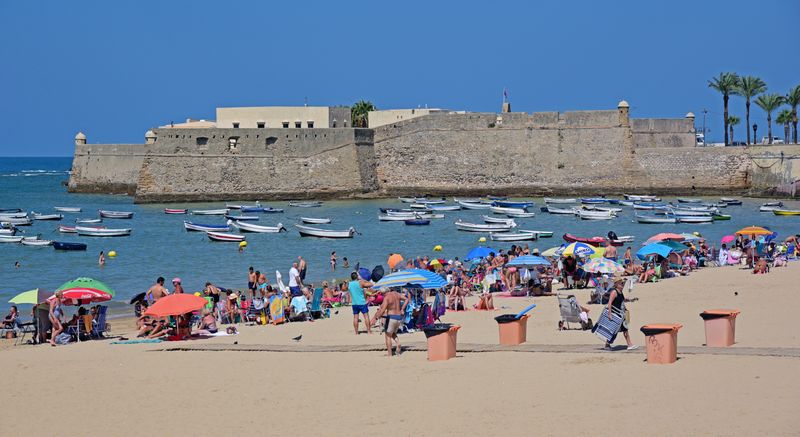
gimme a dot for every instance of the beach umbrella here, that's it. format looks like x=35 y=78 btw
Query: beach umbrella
x=690 y=237
x=528 y=262
x=435 y=263
x=599 y=252
x=139 y=297
x=754 y=230
x=364 y=273
x=84 y=290
x=553 y=251
x=377 y=273
x=398 y=279
x=176 y=304
x=479 y=252
x=31 y=297
x=603 y=265
x=653 y=249
x=393 y=260
x=433 y=280
x=728 y=239
x=665 y=236
x=674 y=245
x=578 y=249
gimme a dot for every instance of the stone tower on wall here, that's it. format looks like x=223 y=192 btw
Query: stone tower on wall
x=624 y=109
x=150 y=137
x=80 y=139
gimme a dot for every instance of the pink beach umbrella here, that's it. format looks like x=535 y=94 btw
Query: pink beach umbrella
x=727 y=239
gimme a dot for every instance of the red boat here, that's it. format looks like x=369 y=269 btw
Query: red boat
x=174 y=211
x=594 y=241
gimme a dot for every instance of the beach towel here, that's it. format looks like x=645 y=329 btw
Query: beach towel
x=607 y=328
x=276 y=310
x=279 y=279
x=138 y=341
x=439 y=305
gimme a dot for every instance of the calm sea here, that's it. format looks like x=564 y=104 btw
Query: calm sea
x=160 y=246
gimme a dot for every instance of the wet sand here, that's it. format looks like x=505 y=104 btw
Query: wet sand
x=131 y=389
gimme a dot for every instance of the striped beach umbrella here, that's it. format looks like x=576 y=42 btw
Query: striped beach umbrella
x=528 y=261
x=754 y=230
x=603 y=265
x=577 y=249
x=401 y=278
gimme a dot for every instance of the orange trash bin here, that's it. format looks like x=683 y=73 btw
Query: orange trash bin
x=662 y=342
x=442 y=339
x=720 y=327
x=513 y=330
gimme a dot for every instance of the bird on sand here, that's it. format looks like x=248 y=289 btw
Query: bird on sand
x=298 y=337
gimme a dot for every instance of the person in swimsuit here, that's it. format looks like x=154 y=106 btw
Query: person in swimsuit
x=359 y=301
x=208 y=324
x=616 y=300
x=212 y=290
x=157 y=291
x=176 y=284
x=333 y=260
x=252 y=279
x=55 y=315
x=394 y=313
x=10 y=321
x=102 y=259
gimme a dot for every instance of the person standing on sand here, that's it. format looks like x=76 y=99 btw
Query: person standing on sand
x=295 y=280
x=102 y=259
x=302 y=266
x=358 y=301
x=252 y=278
x=157 y=291
x=617 y=300
x=394 y=318
x=55 y=315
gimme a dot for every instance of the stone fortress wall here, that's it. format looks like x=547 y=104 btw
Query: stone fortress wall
x=550 y=153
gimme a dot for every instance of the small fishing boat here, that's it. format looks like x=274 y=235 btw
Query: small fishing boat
x=539 y=234
x=307 y=231
x=518 y=236
x=774 y=203
x=595 y=215
x=396 y=218
x=315 y=221
x=655 y=220
x=425 y=201
x=115 y=214
x=480 y=227
x=694 y=208
x=67 y=229
x=199 y=227
x=520 y=214
x=88 y=220
x=312 y=204
x=10 y=231
x=13 y=215
x=560 y=200
x=240 y=206
x=242 y=218
x=602 y=208
x=388 y=210
x=626 y=202
x=502 y=221
x=497 y=197
x=417 y=222
x=468 y=199
x=102 y=232
x=641 y=198
x=695 y=219
x=37 y=216
x=9 y=210
x=649 y=206
x=594 y=241
x=770 y=206
x=221 y=211
x=592 y=200
x=270 y=210
x=786 y=212
x=175 y=211
x=565 y=211
x=37 y=242
x=730 y=201
x=506 y=209
x=246 y=209
x=623 y=239
x=415 y=214
x=16 y=221
x=509 y=204
x=688 y=200
x=222 y=236
x=249 y=227
x=473 y=205
x=10 y=238
x=67 y=209
x=59 y=245
x=418 y=206
x=688 y=212
x=407 y=199
x=443 y=207
x=613 y=201
x=717 y=217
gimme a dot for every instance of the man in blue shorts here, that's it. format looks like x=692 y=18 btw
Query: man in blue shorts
x=358 y=301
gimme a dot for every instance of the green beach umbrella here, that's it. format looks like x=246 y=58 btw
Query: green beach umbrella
x=31 y=297
x=82 y=290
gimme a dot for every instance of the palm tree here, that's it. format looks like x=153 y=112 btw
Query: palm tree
x=784 y=117
x=769 y=103
x=727 y=84
x=359 y=112
x=793 y=99
x=733 y=121
x=749 y=87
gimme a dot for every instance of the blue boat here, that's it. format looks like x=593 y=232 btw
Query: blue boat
x=592 y=200
x=270 y=210
x=58 y=245
x=241 y=218
x=509 y=204
x=417 y=222
x=613 y=201
x=252 y=209
x=200 y=227
x=496 y=198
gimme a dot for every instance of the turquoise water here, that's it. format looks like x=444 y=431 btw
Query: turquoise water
x=160 y=246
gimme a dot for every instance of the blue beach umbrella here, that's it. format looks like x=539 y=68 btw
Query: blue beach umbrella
x=401 y=278
x=653 y=249
x=434 y=280
x=479 y=252
x=528 y=261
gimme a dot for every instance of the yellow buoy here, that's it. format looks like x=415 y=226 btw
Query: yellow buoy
x=112 y=254
x=243 y=244
x=437 y=248
x=482 y=240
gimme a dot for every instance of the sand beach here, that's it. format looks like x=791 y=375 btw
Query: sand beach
x=331 y=383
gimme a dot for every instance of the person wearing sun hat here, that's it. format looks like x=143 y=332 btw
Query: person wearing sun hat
x=616 y=299
x=176 y=284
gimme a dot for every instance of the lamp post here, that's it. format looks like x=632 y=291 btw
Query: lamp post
x=755 y=136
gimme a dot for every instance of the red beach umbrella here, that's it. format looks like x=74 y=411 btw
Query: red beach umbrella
x=176 y=304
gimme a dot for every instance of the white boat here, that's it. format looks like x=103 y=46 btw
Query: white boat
x=67 y=209
x=688 y=212
x=648 y=206
x=311 y=204
x=222 y=236
x=539 y=234
x=415 y=214
x=507 y=236
x=239 y=206
x=11 y=231
x=13 y=215
x=505 y=210
x=315 y=221
x=101 y=232
x=688 y=200
x=595 y=215
x=307 y=231
x=625 y=239
x=695 y=208
x=37 y=216
x=602 y=208
x=175 y=211
x=695 y=219
x=560 y=200
x=221 y=211
x=407 y=199
x=37 y=243
x=443 y=207
x=626 y=202
x=418 y=206
x=775 y=203
x=468 y=199
x=641 y=198
x=655 y=220
x=473 y=205
x=88 y=220
x=16 y=221
x=10 y=239
x=67 y=229
x=520 y=214
x=115 y=214
x=565 y=211
x=189 y=226
x=395 y=218
x=771 y=206
x=242 y=218
x=249 y=227
x=502 y=221
x=480 y=227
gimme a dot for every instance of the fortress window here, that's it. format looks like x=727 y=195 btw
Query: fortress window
x=261 y=125
x=310 y=124
x=272 y=140
x=334 y=123
x=236 y=125
x=298 y=124
x=202 y=141
x=286 y=125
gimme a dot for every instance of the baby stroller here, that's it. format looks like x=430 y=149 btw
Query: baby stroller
x=571 y=313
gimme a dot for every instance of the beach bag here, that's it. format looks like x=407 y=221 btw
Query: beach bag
x=608 y=327
x=63 y=338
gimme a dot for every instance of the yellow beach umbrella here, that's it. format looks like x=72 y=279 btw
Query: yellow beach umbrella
x=754 y=230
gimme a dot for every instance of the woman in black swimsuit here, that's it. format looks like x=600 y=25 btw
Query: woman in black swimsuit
x=616 y=300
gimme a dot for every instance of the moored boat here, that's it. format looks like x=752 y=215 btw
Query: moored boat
x=443 y=207
x=11 y=238
x=199 y=227
x=246 y=209
x=315 y=220
x=720 y=217
x=655 y=220
x=417 y=222
x=104 y=213
x=517 y=236
x=250 y=227
x=220 y=211
x=520 y=214
x=502 y=221
x=24 y=221
x=175 y=211
x=594 y=241
x=786 y=212
x=539 y=234
x=592 y=200
x=473 y=205
x=242 y=218
x=64 y=229
x=37 y=243
x=270 y=210
x=102 y=232
x=564 y=211
x=13 y=215
x=770 y=206
x=480 y=227
x=67 y=209
x=694 y=219
x=560 y=200
x=88 y=220
x=310 y=204
x=307 y=231
x=60 y=245
x=510 y=204
x=38 y=216
x=595 y=215
x=506 y=209
x=689 y=200
x=222 y=236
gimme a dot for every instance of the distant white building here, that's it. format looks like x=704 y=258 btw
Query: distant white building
x=388 y=116
x=288 y=117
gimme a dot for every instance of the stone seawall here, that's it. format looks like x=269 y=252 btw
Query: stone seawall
x=106 y=168
x=252 y=164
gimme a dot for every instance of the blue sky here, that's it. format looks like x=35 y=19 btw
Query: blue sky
x=113 y=69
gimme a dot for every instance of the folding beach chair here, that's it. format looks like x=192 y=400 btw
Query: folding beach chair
x=100 y=326
x=23 y=329
x=276 y=310
x=82 y=329
x=571 y=313
x=607 y=326
x=316 y=304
